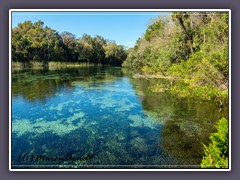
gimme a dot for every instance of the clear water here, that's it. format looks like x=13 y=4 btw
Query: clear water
x=99 y=117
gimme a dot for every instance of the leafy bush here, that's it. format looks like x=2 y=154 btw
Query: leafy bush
x=216 y=154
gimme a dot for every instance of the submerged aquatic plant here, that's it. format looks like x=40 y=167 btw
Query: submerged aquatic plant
x=22 y=126
x=118 y=122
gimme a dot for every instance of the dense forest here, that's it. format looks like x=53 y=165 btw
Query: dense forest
x=188 y=46
x=34 y=42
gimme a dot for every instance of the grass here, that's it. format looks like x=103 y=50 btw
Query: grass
x=17 y=64
x=50 y=65
x=26 y=64
x=69 y=64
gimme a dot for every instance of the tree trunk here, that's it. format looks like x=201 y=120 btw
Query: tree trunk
x=188 y=36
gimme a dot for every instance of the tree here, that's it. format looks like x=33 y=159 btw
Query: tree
x=156 y=29
x=71 y=50
x=192 y=46
x=115 y=54
x=36 y=42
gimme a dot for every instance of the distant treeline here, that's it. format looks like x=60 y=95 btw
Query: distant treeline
x=34 y=42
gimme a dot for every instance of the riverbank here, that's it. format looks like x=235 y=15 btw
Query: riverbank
x=50 y=65
x=182 y=88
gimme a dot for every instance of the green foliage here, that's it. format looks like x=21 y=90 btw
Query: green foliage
x=115 y=54
x=38 y=43
x=199 y=93
x=217 y=153
x=151 y=51
x=34 y=42
x=155 y=29
x=204 y=68
x=193 y=46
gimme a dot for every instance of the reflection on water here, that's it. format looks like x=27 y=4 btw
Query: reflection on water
x=98 y=117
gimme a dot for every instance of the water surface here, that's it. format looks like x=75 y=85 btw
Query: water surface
x=99 y=117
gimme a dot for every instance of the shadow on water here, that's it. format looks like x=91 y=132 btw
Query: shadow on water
x=122 y=147
x=98 y=117
x=186 y=124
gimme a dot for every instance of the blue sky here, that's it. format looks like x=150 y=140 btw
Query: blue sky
x=123 y=27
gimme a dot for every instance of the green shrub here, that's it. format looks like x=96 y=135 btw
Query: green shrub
x=216 y=154
x=198 y=93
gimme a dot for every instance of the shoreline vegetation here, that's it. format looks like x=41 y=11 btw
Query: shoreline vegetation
x=34 y=64
x=18 y=66
x=188 y=48
x=182 y=88
x=35 y=44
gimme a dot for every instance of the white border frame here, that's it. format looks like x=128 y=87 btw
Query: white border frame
x=112 y=10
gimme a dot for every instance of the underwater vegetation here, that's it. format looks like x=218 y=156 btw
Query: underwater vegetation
x=98 y=117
